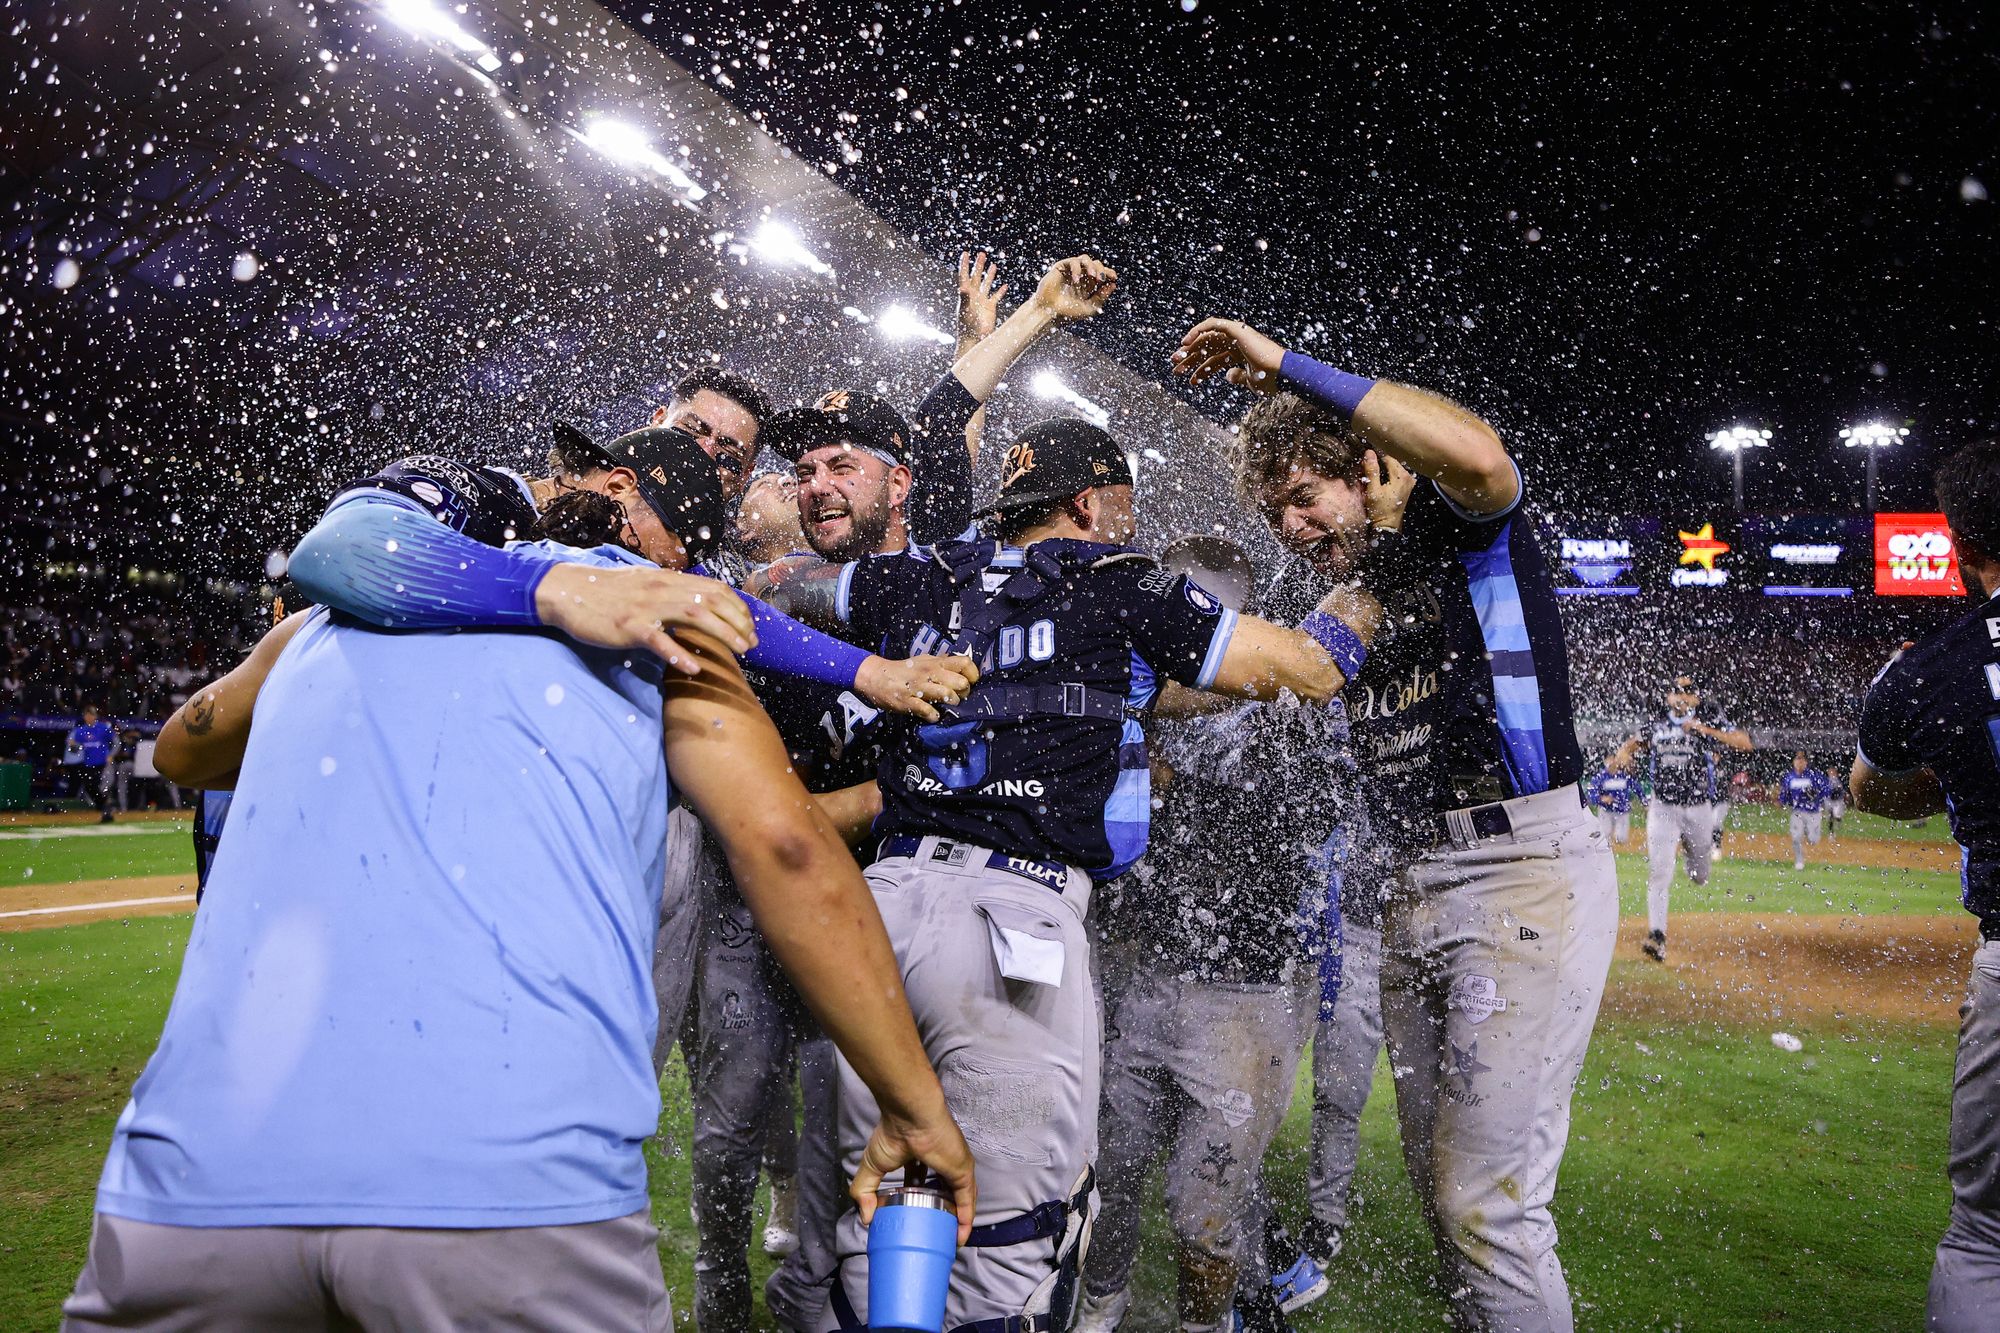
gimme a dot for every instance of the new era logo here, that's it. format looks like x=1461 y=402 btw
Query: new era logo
x=1527 y=934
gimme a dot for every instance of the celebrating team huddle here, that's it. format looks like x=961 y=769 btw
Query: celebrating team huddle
x=842 y=771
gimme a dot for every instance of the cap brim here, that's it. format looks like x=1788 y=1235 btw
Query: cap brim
x=574 y=438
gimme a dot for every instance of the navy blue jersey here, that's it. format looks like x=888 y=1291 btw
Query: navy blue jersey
x=1937 y=706
x=833 y=734
x=1682 y=762
x=1465 y=696
x=1044 y=784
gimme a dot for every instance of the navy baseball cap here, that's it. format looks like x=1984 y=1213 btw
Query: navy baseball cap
x=677 y=480
x=1056 y=459
x=846 y=416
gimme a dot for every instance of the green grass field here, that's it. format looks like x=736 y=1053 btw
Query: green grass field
x=1713 y=1181
x=44 y=855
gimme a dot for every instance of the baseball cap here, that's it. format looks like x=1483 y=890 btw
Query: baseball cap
x=1056 y=459
x=677 y=480
x=854 y=416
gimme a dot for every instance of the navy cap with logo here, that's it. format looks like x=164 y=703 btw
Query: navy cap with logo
x=677 y=480
x=846 y=416
x=1057 y=459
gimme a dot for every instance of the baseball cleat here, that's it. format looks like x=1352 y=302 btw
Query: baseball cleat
x=1102 y=1314
x=1655 y=946
x=1298 y=1286
x=781 y=1229
x=1322 y=1242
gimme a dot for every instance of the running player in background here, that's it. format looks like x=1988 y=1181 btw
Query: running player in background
x=1803 y=791
x=1610 y=797
x=1836 y=801
x=1681 y=745
x=89 y=749
x=1930 y=741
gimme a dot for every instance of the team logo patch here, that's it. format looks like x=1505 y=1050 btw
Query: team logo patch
x=1236 y=1107
x=428 y=491
x=1479 y=997
x=1202 y=600
x=1020 y=462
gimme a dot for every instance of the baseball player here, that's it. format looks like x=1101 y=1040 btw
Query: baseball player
x=861 y=475
x=1836 y=800
x=1497 y=935
x=405 y=1080
x=1609 y=797
x=1930 y=741
x=1803 y=791
x=1208 y=992
x=998 y=820
x=89 y=747
x=1681 y=745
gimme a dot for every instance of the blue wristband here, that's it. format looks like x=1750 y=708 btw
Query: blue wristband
x=1342 y=644
x=1323 y=384
x=789 y=648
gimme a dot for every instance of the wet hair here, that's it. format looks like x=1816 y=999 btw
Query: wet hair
x=1968 y=491
x=569 y=458
x=738 y=389
x=1286 y=431
x=584 y=518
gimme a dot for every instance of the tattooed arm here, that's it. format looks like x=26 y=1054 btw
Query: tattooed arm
x=202 y=743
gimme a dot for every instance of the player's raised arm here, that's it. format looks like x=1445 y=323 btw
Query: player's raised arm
x=202 y=744
x=816 y=914
x=1436 y=437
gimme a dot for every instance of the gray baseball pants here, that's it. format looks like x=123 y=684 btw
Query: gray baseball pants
x=1494 y=955
x=559 y=1279
x=1345 y=1045
x=997 y=971
x=1691 y=828
x=1965 y=1281
x=674 y=947
x=1203 y=1070
x=739 y=1067
x=796 y=1293
x=1806 y=825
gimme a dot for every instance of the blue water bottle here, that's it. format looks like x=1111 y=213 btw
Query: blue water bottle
x=911 y=1245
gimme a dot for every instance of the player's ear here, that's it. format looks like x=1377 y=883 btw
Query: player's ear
x=621 y=484
x=900 y=481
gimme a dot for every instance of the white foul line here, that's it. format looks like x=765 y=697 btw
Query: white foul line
x=92 y=907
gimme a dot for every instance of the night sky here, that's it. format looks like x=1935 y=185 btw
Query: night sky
x=1611 y=236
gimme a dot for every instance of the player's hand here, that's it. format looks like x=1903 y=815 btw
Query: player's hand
x=978 y=298
x=914 y=684
x=1246 y=357
x=1386 y=486
x=643 y=608
x=937 y=1144
x=1075 y=288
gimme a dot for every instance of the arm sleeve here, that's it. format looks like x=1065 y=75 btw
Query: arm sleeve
x=789 y=648
x=382 y=557
x=1886 y=739
x=940 y=504
x=1177 y=625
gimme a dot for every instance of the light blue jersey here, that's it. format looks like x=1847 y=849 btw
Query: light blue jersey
x=419 y=991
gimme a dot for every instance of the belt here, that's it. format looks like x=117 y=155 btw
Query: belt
x=1474 y=824
x=1989 y=927
x=1052 y=875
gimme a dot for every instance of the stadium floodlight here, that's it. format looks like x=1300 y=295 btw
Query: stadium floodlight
x=779 y=244
x=1048 y=384
x=1872 y=435
x=1736 y=441
x=900 y=324
x=628 y=144
x=427 y=20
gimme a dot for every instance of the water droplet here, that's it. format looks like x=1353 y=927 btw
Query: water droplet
x=327 y=765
